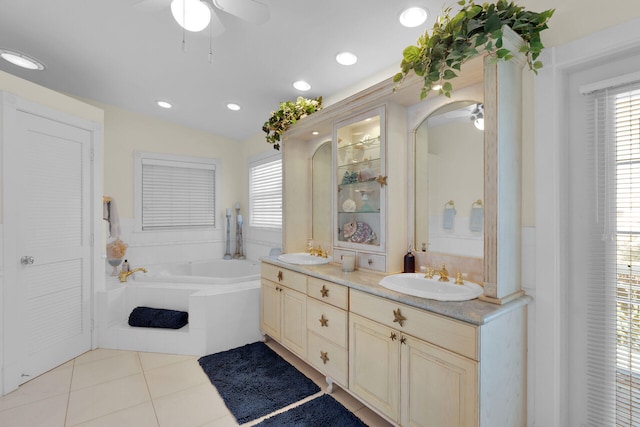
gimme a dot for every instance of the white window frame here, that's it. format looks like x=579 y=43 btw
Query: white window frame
x=254 y=161
x=178 y=161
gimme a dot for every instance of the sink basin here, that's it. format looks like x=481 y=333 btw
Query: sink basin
x=303 y=258
x=417 y=285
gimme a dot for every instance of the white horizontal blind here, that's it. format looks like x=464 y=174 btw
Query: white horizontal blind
x=265 y=194
x=177 y=195
x=613 y=324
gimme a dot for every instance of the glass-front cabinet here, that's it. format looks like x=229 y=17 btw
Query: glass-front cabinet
x=360 y=177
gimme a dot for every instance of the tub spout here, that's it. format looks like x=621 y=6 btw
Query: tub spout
x=125 y=274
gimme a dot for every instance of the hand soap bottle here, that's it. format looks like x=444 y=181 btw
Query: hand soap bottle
x=409 y=262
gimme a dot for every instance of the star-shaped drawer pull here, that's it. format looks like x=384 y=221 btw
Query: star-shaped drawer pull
x=324 y=321
x=324 y=292
x=324 y=356
x=398 y=317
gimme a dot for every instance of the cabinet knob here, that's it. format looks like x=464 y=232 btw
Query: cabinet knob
x=324 y=291
x=280 y=276
x=403 y=340
x=324 y=356
x=324 y=321
x=398 y=317
x=369 y=261
x=393 y=336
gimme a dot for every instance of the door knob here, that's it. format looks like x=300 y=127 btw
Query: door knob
x=26 y=260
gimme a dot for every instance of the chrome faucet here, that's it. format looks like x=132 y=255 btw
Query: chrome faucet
x=125 y=274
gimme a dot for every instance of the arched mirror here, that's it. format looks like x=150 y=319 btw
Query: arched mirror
x=449 y=180
x=321 y=194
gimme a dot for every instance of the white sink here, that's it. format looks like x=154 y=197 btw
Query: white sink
x=303 y=258
x=417 y=285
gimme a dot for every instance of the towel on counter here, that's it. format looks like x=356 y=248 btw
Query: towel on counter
x=448 y=218
x=110 y=213
x=147 y=317
x=476 y=220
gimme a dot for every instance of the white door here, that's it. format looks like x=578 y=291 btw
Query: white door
x=47 y=211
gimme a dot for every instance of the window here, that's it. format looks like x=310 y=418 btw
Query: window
x=265 y=192
x=613 y=338
x=175 y=192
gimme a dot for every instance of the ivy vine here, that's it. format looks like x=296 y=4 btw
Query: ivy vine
x=474 y=28
x=288 y=114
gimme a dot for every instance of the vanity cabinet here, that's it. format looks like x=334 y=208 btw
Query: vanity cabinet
x=401 y=362
x=283 y=302
x=327 y=326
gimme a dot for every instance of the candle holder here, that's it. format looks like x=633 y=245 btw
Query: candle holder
x=239 y=253
x=227 y=254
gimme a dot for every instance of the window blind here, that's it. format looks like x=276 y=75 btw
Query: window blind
x=613 y=294
x=265 y=194
x=177 y=194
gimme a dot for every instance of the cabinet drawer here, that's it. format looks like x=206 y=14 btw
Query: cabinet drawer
x=459 y=337
x=327 y=321
x=329 y=358
x=285 y=277
x=328 y=292
x=372 y=261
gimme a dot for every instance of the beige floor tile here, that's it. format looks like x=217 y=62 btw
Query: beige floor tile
x=53 y=383
x=192 y=407
x=93 y=402
x=228 y=421
x=156 y=360
x=175 y=377
x=46 y=413
x=104 y=370
x=98 y=354
x=137 y=416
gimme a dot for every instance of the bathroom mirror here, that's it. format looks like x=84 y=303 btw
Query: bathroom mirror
x=321 y=193
x=449 y=180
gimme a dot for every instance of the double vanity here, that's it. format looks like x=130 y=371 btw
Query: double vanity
x=382 y=171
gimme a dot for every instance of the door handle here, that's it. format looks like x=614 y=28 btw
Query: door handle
x=26 y=260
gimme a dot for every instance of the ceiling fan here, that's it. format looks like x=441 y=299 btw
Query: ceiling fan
x=196 y=15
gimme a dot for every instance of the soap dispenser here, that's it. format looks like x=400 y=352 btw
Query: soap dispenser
x=409 y=262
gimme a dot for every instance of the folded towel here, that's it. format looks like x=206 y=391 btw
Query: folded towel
x=448 y=218
x=110 y=213
x=148 y=317
x=476 y=220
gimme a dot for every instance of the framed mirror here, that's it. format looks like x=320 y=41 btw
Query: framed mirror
x=321 y=194
x=449 y=180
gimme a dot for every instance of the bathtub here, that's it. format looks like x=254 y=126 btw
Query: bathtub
x=222 y=299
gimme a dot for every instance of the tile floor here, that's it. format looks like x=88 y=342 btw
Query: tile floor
x=126 y=388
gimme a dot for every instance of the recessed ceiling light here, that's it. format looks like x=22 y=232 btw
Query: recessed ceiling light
x=233 y=107
x=21 y=60
x=163 y=104
x=302 y=85
x=413 y=16
x=346 y=58
x=315 y=132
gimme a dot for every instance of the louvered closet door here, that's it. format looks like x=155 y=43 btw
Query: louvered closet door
x=53 y=225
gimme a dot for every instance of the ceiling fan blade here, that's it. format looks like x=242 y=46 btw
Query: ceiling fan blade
x=248 y=10
x=151 y=5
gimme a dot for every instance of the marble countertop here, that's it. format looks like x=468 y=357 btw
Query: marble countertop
x=474 y=311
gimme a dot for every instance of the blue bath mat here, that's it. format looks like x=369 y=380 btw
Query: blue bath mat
x=323 y=411
x=254 y=380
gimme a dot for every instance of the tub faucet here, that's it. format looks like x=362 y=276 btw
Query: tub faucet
x=444 y=274
x=124 y=274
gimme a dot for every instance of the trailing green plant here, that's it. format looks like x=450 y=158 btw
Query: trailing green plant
x=473 y=29
x=288 y=114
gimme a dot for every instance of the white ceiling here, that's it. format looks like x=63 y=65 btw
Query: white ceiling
x=116 y=53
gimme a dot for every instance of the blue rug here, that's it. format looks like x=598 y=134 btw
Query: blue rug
x=254 y=380
x=323 y=411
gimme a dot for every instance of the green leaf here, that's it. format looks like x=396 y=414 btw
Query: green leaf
x=493 y=23
x=447 y=87
x=448 y=75
x=411 y=54
x=502 y=53
x=537 y=65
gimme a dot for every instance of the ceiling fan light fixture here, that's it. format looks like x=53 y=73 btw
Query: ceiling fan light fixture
x=413 y=17
x=21 y=59
x=192 y=15
x=346 y=58
x=301 y=85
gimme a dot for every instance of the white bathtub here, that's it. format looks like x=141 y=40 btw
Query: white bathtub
x=223 y=307
x=206 y=272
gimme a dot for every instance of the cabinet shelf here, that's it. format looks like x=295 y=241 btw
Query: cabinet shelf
x=360 y=144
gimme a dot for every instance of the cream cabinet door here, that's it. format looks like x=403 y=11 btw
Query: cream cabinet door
x=294 y=321
x=439 y=388
x=270 y=315
x=374 y=364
